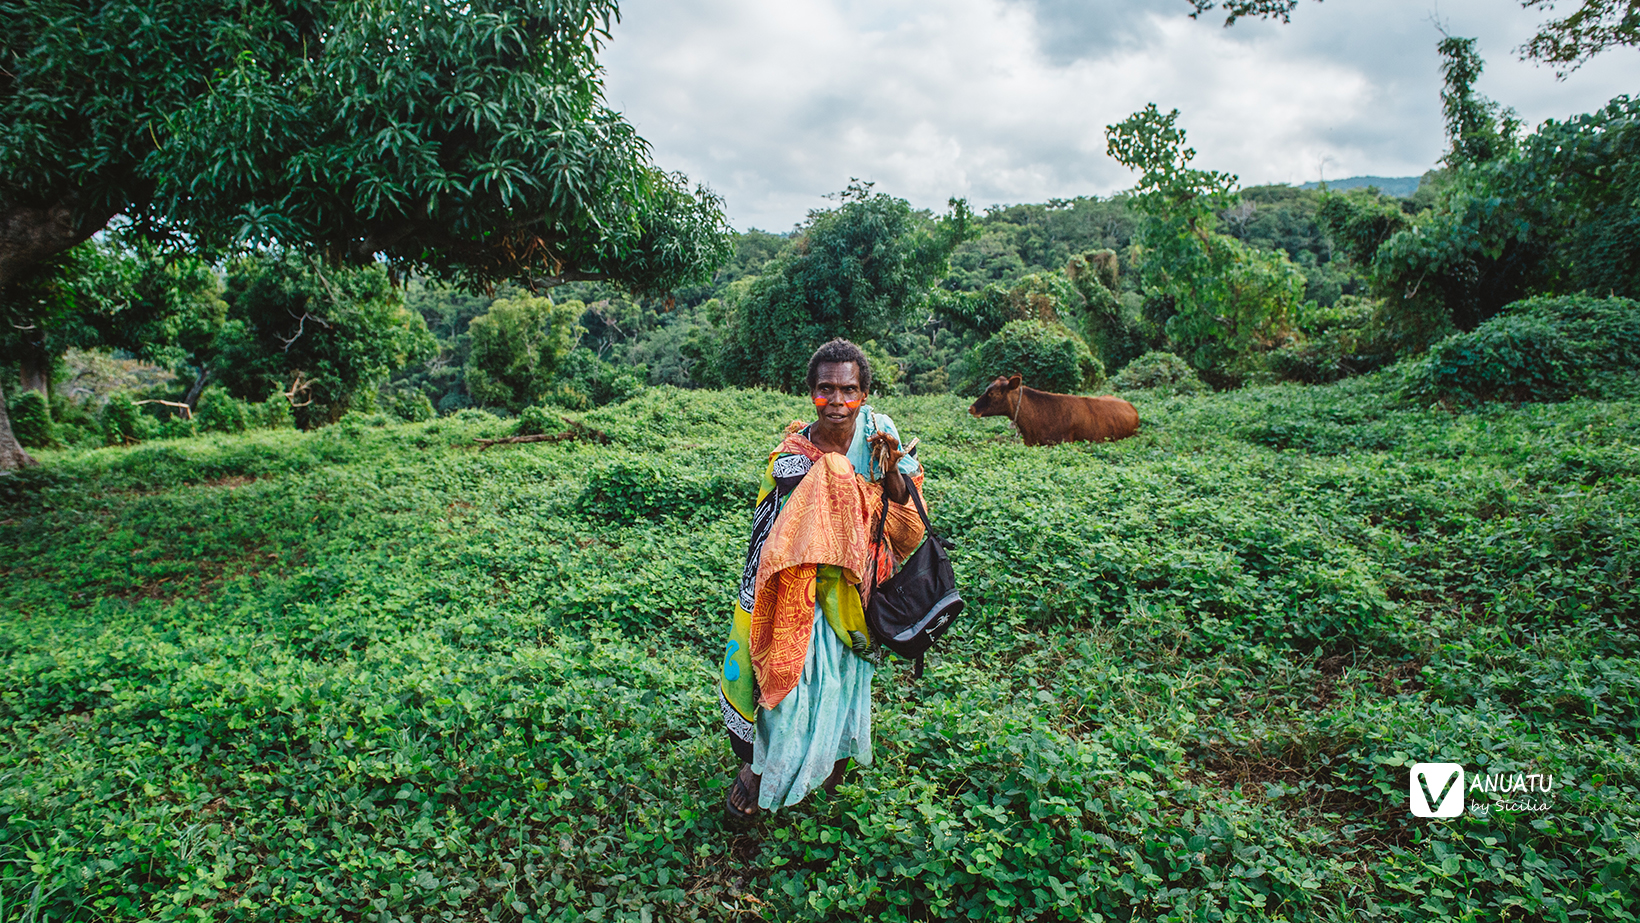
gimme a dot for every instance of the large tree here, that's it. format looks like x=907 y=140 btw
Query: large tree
x=517 y=346
x=464 y=140
x=323 y=337
x=162 y=309
x=1230 y=302
x=853 y=271
x=1554 y=211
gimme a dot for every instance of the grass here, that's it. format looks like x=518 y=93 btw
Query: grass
x=372 y=672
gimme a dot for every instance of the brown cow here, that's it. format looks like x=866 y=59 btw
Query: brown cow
x=1044 y=418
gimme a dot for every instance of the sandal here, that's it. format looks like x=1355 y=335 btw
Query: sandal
x=742 y=792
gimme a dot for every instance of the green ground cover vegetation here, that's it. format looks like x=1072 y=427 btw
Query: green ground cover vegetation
x=374 y=672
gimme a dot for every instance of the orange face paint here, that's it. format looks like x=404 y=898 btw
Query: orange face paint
x=852 y=405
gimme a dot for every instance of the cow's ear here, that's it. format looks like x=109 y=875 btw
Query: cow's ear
x=1013 y=382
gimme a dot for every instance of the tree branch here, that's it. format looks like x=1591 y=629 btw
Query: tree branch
x=187 y=412
x=301 y=325
x=298 y=386
x=30 y=234
x=576 y=431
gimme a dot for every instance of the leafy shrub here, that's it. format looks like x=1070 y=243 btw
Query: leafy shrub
x=1539 y=349
x=886 y=371
x=221 y=412
x=1048 y=356
x=1334 y=342
x=413 y=407
x=568 y=397
x=74 y=423
x=123 y=422
x=274 y=413
x=586 y=380
x=474 y=415
x=1113 y=325
x=453 y=402
x=1161 y=372
x=538 y=420
x=31 y=419
x=933 y=381
x=177 y=428
x=72 y=412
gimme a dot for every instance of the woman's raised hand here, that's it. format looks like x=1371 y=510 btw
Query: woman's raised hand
x=886 y=451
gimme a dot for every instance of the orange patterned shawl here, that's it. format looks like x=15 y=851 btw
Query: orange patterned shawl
x=828 y=519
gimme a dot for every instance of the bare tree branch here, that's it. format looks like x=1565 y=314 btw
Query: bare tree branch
x=298 y=386
x=577 y=431
x=187 y=412
x=301 y=325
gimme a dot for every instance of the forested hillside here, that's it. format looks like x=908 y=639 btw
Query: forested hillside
x=613 y=343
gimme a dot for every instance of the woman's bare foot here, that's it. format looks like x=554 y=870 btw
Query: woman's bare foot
x=742 y=802
x=836 y=777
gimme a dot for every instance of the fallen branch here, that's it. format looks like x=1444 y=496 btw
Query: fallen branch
x=576 y=431
x=187 y=412
x=298 y=386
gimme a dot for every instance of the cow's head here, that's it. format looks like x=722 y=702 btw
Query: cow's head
x=998 y=399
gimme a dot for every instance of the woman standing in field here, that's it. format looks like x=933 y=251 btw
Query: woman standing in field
x=796 y=678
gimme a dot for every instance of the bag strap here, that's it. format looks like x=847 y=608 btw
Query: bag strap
x=882 y=522
x=922 y=511
x=877 y=543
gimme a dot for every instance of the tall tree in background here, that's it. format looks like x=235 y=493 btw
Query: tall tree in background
x=323 y=337
x=464 y=140
x=1230 y=302
x=1555 y=211
x=165 y=311
x=517 y=345
x=853 y=271
x=1478 y=129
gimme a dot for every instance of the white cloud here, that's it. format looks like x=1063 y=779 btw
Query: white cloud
x=775 y=105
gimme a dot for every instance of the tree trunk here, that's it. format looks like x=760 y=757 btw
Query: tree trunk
x=11 y=452
x=29 y=235
x=192 y=400
x=34 y=370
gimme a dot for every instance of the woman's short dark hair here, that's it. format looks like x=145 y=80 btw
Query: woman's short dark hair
x=841 y=350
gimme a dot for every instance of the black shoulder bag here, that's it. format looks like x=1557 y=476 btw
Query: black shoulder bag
x=910 y=610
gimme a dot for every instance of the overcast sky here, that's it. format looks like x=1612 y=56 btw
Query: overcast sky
x=1004 y=101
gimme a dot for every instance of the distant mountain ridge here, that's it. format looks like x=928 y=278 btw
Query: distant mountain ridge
x=1388 y=185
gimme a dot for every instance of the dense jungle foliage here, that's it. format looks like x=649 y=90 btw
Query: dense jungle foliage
x=1246 y=286
x=374 y=671
x=352 y=347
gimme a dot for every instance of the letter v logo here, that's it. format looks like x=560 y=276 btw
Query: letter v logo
x=1437 y=784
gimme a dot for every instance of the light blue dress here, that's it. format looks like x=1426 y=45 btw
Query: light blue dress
x=827 y=716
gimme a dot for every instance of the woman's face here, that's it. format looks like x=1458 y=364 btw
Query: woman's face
x=836 y=387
